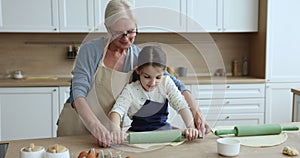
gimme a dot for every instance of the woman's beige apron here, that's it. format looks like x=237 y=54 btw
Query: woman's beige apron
x=107 y=86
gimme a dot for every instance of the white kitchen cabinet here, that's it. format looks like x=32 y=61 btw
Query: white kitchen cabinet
x=52 y=15
x=27 y=113
x=279 y=102
x=82 y=16
x=64 y=94
x=282 y=47
x=160 y=16
x=222 y=15
x=76 y=15
x=29 y=16
x=231 y=104
x=228 y=104
x=282 y=55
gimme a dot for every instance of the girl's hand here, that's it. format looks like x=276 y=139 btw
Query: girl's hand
x=118 y=136
x=191 y=133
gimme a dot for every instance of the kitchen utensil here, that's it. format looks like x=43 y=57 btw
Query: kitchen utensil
x=155 y=137
x=18 y=74
x=228 y=146
x=268 y=129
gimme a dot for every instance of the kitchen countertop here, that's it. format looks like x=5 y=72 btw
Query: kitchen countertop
x=199 y=148
x=220 y=80
x=36 y=82
x=65 y=81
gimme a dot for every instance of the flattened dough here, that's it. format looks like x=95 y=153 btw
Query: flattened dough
x=256 y=141
x=137 y=148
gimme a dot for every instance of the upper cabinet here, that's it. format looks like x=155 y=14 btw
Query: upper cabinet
x=152 y=16
x=29 y=16
x=222 y=15
x=52 y=15
x=160 y=16
x=76 y=15
x=282 y=45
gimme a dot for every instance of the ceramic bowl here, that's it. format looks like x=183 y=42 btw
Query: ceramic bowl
x=228 y=146
x=33 y=154
x=65 y=154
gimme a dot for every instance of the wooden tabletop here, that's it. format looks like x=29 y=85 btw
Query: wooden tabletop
x=296 y=91
x=200 y=148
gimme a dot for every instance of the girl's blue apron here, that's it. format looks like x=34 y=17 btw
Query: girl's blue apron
x=152 y=116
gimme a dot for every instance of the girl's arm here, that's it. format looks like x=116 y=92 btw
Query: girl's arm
x=115 y=119
x=187 y=117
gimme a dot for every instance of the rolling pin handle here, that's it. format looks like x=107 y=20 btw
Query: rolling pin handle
x=290 y=128
x=224 y=132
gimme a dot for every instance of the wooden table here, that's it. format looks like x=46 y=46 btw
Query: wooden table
x=206 y=148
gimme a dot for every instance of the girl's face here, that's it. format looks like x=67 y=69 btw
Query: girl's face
x=150 y=76
x=123 y=33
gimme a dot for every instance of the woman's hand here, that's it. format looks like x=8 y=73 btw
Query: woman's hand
x=200 y=123
x=191 y=133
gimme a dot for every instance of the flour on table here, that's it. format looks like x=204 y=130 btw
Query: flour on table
x=138 y=148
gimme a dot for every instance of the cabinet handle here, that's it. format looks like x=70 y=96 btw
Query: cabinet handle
x=227 y=86
x=227 y=117
x=227 y=102
x=54 y=90
x=55 y=29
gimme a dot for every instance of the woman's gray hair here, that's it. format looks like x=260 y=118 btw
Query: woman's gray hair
x=117 y=10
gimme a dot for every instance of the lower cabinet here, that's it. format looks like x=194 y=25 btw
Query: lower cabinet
x=64 y=94
x=229 y=104
x=279 y=102
x=27 y=113
x=30 y=112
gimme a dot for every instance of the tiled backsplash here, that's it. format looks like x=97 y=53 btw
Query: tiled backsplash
x=46 y=54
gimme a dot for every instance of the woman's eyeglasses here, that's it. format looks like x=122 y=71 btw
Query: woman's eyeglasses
x=129 y=33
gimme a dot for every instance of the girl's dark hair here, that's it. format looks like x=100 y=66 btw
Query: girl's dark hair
x=152 y=55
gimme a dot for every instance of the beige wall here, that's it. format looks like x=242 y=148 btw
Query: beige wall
x=45 y=54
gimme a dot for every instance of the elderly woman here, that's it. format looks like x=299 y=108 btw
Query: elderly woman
x=103 y=67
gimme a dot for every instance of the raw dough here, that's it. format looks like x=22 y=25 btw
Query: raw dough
x=147 y=146
x=256 y=141
x=138 y=148
x=290 y=151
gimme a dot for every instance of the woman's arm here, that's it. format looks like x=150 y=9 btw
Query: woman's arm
x=199 y=120
x=91 y=122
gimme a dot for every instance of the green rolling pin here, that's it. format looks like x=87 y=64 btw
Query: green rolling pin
x=268 y=129
x=155 y=137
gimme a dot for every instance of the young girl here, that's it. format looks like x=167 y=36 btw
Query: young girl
x=145 y=101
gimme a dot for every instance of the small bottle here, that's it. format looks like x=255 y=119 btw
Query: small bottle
x=245 y=67
x=235 y=70
x=70 y=52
